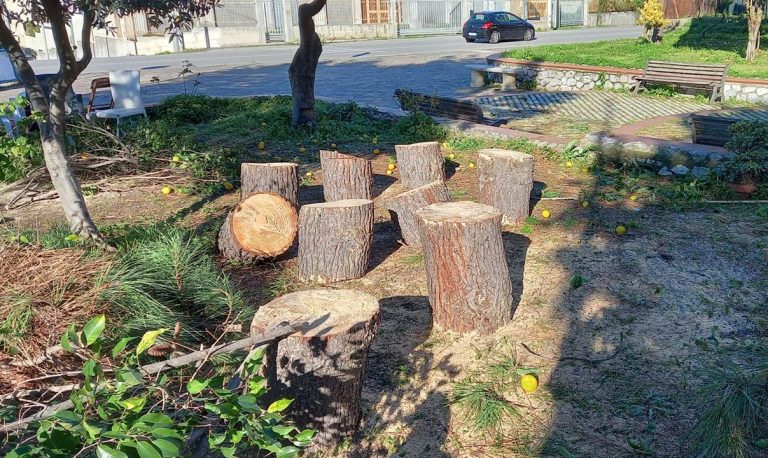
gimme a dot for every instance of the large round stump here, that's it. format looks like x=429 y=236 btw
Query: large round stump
x=282 y=178
x=345 y=176
x=263 y=225
x=467 y=273
x=335 y=240
x=505 y=180
x=402 y=208
x=320 y=367
x=420 y=164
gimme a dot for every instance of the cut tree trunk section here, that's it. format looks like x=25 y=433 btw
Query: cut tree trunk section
x=320 y=367
x=420 y=164
x=402 y=208
x=467 y=274
x=505 y=181
x=345 y=177
x=335 y=240
x=261 y=226
x=281 y=178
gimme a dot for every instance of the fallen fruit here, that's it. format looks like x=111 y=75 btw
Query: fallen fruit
x=546 y=214
x=333 y=145
x=585 y=204
x=471 y=165
x=375 y=140
x=262 y=145
x=391 y=167
x=569 y=163
x=176 y=159
x=84 y=156
x=167 y=190
x=529 y=383
x=310 y=174
x=389 y=172
x=451 y=156
x=621 y=230
x=445 y=144
x=302 y=150
x=633 y=197
x=228 y=186
x=376 y=151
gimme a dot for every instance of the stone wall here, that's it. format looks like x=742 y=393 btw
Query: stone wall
x=612 y=19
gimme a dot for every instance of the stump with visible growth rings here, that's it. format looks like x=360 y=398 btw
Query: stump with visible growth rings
x=505 y=181
x=420 y=164
x=335 y=240
x=402 y=208
x=263 y=225
x=345 y=176
x=320 y=367
x=467 y=272
x=282 y=178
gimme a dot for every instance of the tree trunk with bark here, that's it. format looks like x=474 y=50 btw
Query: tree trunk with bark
x=321 y=367
x=755 y=13
x=261 y=226
x=402 y=207
x=420 y=164
x=345 y=176
x=335 y=240
x=303 y=69
x=467 y=273
x=281 y=178
x=505 y=181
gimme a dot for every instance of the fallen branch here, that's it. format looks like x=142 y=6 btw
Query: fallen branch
x=255 y=341
x=619 y=349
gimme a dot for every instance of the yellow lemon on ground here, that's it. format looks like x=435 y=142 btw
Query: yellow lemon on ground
x=585 y=169
x=302 y=150
x=451 y=156
x=84 y=156
x=633 y=197
x=529 y=383
x=176 y=159
x=391 y=167
x=228 y=186
x=263 y=124
x=471 y=165
x=389 y=172
x=445 y=144
x=569 y=163
x=546 y=214
x=310 y=174
x=585 y=204
x=376 y=151
x=262 y=145
x=333 y=145
x=621 y=230
x=375 y=140
x=167 y=190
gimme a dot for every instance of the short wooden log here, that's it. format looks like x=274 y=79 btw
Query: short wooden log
x=345 y=177
x=505 y=181
x=335 y=240
x=320 y=367
x=261 y=226
x=420 y=164
x=281 y=178
x=467 y=273
x=402 y=207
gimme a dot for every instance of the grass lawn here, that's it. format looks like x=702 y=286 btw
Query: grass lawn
x=704 y=40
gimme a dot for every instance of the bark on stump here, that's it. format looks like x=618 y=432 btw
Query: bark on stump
x=402 y=208
x=467 y=272
x=345 y=176
x=263 y=225
x=282 y=178
x=335 y=240
x=505 y=181
x=420 y=164
x=320 y=367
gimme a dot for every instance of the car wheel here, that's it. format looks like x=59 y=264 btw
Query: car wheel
x=470 y=40
x=528 y=35
x=495 y=37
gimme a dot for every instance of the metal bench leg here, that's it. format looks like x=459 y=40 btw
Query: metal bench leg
x=477 y=78
x=717 y=93
x=637 y=87
x=508 y=82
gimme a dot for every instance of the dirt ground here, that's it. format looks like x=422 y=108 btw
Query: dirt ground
x=654 y=304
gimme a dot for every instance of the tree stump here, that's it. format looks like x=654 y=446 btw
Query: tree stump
x=282 y=178
x=263 y=225
x=420 y=164
x=505 y=180
x=402 y=208
x=320 y=367
x=467 y=272
x=345 y=176
x=335 y=240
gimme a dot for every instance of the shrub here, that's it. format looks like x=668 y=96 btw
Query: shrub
x=189 y=109
x=20 y=155
x=652 y=17
x=750 y=145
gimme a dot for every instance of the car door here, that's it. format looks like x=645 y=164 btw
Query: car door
x=517 y=27
x=503 y=25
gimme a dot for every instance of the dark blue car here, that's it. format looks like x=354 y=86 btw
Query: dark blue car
x=495 y=26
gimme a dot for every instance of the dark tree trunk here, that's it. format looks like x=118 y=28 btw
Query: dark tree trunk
x=420 y=164
x=335 y=240
x=346 y=176
x=282 y=178
x=505 y=182
x=467 y=274
x=402 y=207
x=301 y=73
x=321 y=367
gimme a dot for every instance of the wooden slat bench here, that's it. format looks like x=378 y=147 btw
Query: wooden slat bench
x=711 y=130
x=443 y=107
x=478 y=72
x=693 y=76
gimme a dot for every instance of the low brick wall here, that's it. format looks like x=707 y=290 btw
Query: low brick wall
x=568 y=77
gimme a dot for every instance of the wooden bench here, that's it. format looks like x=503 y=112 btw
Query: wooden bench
x=693 y=76
x=443 y=107
x=478 y=73
x=711 y=130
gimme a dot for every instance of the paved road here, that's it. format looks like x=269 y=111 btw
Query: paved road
x=366 y=72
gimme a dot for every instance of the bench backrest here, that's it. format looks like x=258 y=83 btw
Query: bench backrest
x=695 y=73
x=711 y=130
x=445 y=107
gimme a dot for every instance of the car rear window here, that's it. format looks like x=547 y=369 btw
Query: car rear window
x=479 y=17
